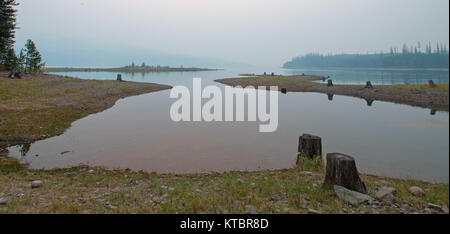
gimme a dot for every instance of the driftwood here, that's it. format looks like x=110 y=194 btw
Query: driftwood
x=330 y=83
x=341 y=170
x=310 y=146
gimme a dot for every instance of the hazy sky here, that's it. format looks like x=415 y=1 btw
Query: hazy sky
x=260 y=32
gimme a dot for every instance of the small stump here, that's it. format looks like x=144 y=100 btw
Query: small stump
x=284 y=90
x=433 y=112
x=330 y=83
x=119 y=77
x=368 y=85
x=310 y=146
x=341 y=170
x=431 y=84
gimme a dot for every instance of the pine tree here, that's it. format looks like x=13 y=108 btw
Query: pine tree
x=10 y=60
x=7 y=28
x=33 y=59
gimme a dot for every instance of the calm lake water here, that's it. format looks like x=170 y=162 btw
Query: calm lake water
x=385 y=138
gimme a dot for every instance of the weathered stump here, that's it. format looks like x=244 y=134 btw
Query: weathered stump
x=369 y=85
x=341 y=170
x=310 y=146
x=433 y=112
x=119 y=77
x=431 y=84
x=330 y=83
x=283 y=90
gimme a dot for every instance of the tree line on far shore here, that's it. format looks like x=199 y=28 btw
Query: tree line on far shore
x=407 y=57
x=29 y=58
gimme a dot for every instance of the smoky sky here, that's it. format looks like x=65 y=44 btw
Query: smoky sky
x=259 y=32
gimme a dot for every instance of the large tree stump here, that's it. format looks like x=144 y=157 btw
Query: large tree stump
x=330 y=83
x=119 y=77
x=341 y=170
x=310 y=146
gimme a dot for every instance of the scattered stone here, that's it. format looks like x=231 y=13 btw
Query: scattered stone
x=82 y=200
x=385 y=194
x=249 y=209
x=434 y=207
x=312 y=211
x=306 y=173
x=199 y=190
x=91 y=171
x=171 y=189
x=219 y=210
x=286 y=210
x=428 y=210
x=36 y=184
x=445 y=209
x=352 y=197
x=416 y=191
x=240 y=181
x=3 y=201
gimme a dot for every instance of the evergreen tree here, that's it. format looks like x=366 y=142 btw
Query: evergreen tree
x=33 y=59
x=7 y=28
x=10 y=60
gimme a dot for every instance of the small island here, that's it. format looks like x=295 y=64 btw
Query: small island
x=130 y=69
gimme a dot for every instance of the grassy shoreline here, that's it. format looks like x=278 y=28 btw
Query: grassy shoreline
x=415 y=95
x=38 y=107
x=289 y=191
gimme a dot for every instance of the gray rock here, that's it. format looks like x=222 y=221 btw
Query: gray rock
x=3 y=201
x=249 y=209
x=312 y=211
x=416 y=191
x=445 y=209
x=435 y=207
x=36 y=184
x=385 y=194
x=352 y=197
x=306 y=173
